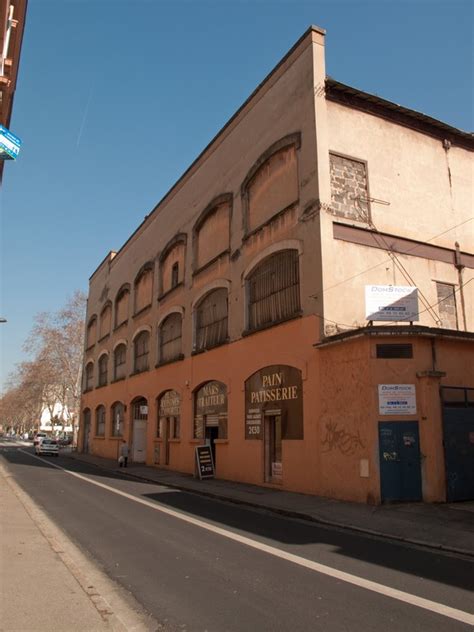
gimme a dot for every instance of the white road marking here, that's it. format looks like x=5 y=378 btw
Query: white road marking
x=381 y=589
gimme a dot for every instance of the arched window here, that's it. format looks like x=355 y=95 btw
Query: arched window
x=141 y=352
x=170 y=338
x=118 y=417
x=91 y=335
x=89 y=376
x=121 y=305
x=100 y=421
x=273 y=290
x=169 y=407
x=211 y=320
x=105 y=320
x=103 y=366
x=271 y=186
x=120 y=361
x=143 y=288
x=211 y=234
x=172 y=263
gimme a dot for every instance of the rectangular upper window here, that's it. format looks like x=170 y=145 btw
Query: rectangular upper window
x=394 y=351
x=349 y=188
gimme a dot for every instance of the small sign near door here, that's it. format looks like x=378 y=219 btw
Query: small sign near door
x=204 y=461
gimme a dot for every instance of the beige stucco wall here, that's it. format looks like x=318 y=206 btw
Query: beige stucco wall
x=426 y=202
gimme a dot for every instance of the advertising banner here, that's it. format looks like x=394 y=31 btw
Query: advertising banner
x=391 y=302
x=9 y=144
x=397 y=399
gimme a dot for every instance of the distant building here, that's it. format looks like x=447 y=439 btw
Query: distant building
x=49 y=419
x=12 y=24
x=249 y=309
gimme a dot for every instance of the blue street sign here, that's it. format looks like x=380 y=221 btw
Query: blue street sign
x=9 y=144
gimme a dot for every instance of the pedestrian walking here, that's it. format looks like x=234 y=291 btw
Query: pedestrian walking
x=124 y=451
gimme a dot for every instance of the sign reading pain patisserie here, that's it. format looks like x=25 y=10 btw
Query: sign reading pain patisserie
x=274 y=390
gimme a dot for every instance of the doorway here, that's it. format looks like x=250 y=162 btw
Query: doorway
x=86 y=436
x=400 y=463
x=458 y=441
x=165 y=432
x=139 y=420
x=212 y=433
x=273 y=449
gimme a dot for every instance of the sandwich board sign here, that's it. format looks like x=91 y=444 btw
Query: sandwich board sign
x=9 y=144
x=204 y=461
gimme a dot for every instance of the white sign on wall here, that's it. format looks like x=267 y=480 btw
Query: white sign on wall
x=397 y=399
x=391 y=302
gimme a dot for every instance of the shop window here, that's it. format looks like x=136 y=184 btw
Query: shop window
x=122 y=305
x=349 y=188
x=211 y=320
x=271 y=185
x=169 y=415
x=105 y=320
x=210 y=411
x=170 y=338
x=394 y=351
x=100 y=421
x=273 y=290
x=141 y=352
x=447 y=305
x=212 y=231
x=89 y=376
x=103 y=365
x=143 y=288
x=120 y=359
x=118 y=417
x=91 y=334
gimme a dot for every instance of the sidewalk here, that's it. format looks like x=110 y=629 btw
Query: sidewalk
x=47 y=583
x=448 y=527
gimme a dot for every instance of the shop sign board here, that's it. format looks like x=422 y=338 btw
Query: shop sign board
x=211 y=399
x=9 y=144
x=397 y=399
x=170 y=404
x=204 y=461
x=274 y=390
x=391 y=302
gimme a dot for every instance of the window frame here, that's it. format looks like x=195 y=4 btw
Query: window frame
x=143 y=335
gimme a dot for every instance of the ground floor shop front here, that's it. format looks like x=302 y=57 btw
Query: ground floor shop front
x=371 y=418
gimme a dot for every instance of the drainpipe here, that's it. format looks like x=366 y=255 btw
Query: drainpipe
x=460 y=268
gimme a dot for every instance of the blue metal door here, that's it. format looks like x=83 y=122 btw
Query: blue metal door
x=458 y=431
x=400 y=470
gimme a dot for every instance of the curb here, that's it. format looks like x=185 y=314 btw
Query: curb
x=290 y=513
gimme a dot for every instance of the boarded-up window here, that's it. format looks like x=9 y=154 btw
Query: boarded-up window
x=103 y=365
x=91 y=332
x=170 y=338
x=447 y=305
x=172 y=266
x=273 y=187
x=274 y=289
x=141 y=347
x=212 y=235
x=211 y=320
x=121 y=306
x=118 y=416
x=143 y=288
x=89 y=376
x=105 y=320
x=349 y=193
x=120 y=359
x=100 y=421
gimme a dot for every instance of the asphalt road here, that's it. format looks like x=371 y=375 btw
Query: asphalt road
x=198 y=564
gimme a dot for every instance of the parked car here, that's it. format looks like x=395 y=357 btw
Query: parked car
x=39 y=436
x=47 y=446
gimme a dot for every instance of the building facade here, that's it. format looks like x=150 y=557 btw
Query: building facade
x=236 y=313
x=12 y=24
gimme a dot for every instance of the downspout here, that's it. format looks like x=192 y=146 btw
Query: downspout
x=460 y=268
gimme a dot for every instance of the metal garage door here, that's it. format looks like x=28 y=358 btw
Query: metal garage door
x=458 y=440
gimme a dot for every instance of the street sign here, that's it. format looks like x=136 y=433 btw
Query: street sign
x=9 y=144
x=204 y=461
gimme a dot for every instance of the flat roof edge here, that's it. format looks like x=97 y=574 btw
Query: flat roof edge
x=395 y=330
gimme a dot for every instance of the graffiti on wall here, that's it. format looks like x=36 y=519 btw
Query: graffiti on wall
x=337 y=438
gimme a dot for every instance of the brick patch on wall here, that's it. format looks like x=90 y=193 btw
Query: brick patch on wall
x=349 y=188
x=447 y=305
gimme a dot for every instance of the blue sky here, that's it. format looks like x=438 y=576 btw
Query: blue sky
x=116 y=98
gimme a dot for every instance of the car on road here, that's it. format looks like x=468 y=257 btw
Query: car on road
x=39 y=436
x=47 y=446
